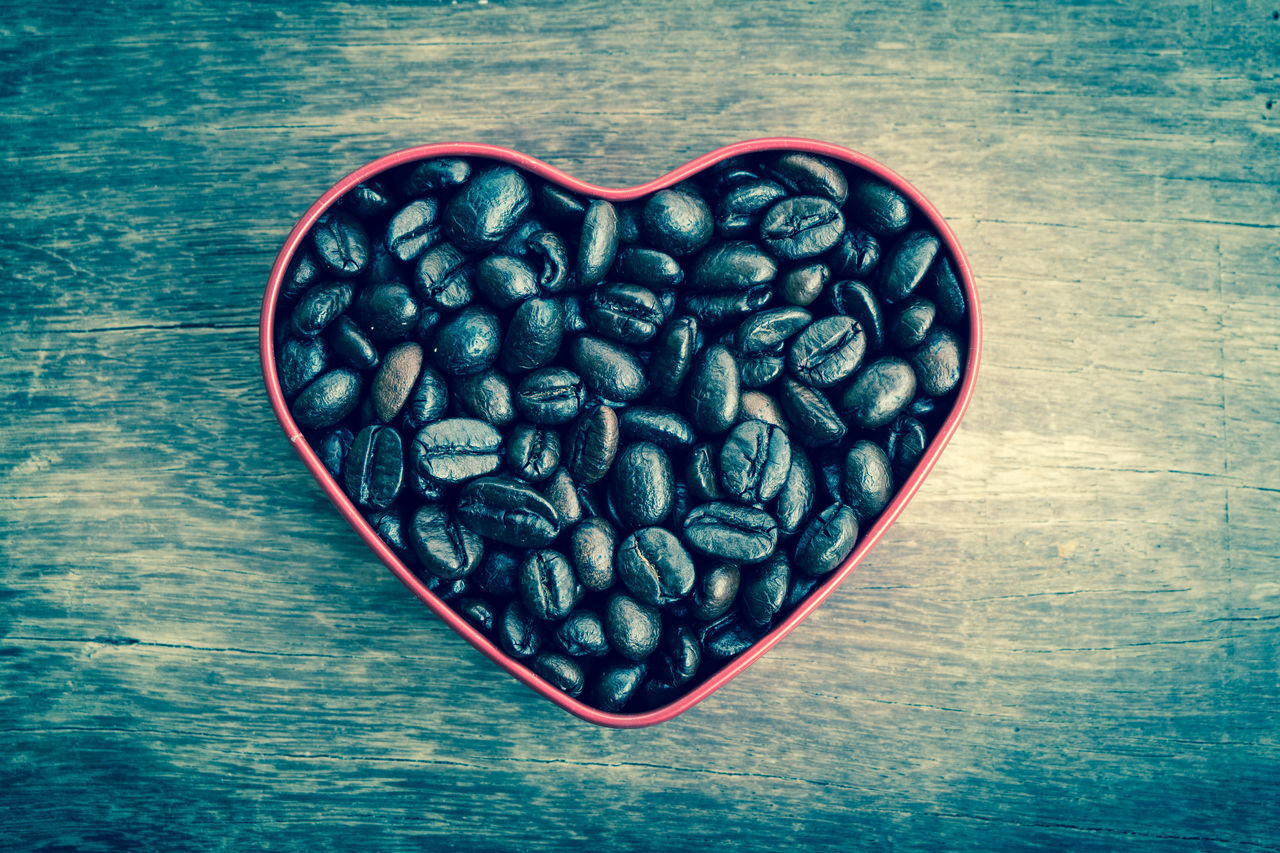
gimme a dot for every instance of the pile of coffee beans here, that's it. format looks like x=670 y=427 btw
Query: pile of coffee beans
x=622 y=440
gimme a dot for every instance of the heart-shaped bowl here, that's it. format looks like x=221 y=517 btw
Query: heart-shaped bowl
x=551 y=174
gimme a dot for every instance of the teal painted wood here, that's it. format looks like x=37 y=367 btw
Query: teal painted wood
x=1069 y=639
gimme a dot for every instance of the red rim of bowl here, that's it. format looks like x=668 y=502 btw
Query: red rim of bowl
x=548 y=172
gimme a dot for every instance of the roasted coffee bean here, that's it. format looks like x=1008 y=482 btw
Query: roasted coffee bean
x=444 y=278
x=810 y=174
x=702 y=472
x=856 y=300
x=440 y=173
x=922 y=406
x=676 y=222
x=714 y=592
x=547 y=255
x=448 y=590
x=948 y=295
x=445 y=548
x=349 y=345
x=592 y=546
x=715 y=310
x=598 y=243
x=673 y=355
x=499 y=572
x=739 y=210
x=563 y=673
x=581 y=634
x=413 y=230
x=632 y=629
x=332 y=450
x=456 y=449
x=549 y=396
x=727 y=531
x=666 y=428
x=714 y=390
x=879 y=392
x=803 y=285
x=486 y=208
x=610 y=370
x=328 y=399
x=301 y=360
x=655 y=567
x=879 y=207
x=533 y=452
x=796 y=497
x=678 y=655
x=593 y=445
x=390 y=529
x=303 y=273
x=827 y=351
x=867 y=482
x=562 y=493
x=764 y=589
x=801 y=227
x=734 y=266
x=938 y=362
x=649 y=267
x=559 y=205
x=505 y=281
x=827 y=541
x=907 y=442
x=727 y=637
x=912 y=322
x=486 y=396
x=320 y=306
x=641 y=484
x=855 y=255
x=386 y=311
x=374 y=469
x=340 y=243
x=467 y=342
x=548 y=588
x=627 y=313
x=575 y=321
x=518 y=632
x=760 y=371
x=509 y=511
x=759 y=406
x=395 y=379
x=754 y=461
x=629 y=216
x=533 y=336
x=426 y=402
x=614 y=685
x=799 y=591
x=830 y=473
x=766 y=332
x=478 y=612
x=814 y=423
x=906 y=265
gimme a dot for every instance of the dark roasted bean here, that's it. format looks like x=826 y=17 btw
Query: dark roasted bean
x=907 y=441
x=714 y=310
x=739 y=210
x=627 y=313
x=533 y=336
x=328 y=399
x=827 y=351
x=760 y=371
x=456 y=449
x=795 y=499
x=505 y=281
x=948 y=295
x=518 y=632
x=727 y=531
x=598 y=244
x=714 y=391
x=563 y=673
x=854 y=255
x=632 y=629
x=666 y=428
x=581 y=634
x=467 y=342
x=559 y=205
x=390 y=529
x=800 y=589
x=654 y=566
x=938 y=362
x=549 y=396
x=616 y=684
x=349 y=345
x=734 y=266
x=509 y=511
x=857 y=301
x=754 y=461
x=641 y=484
x=332 y=449
x=879 y=392
x=814 y=423
x=827 y=541
x=370 y=200
x=702 y=474
x=803 y=285
x=550 y=260
x=444 y=278
x=320 y=306
x=562 y=493
x=499 y=572
x=726 y=637
x=395 y=379
x=765 y=333
x=810 y=174
x=533 y=452
x=592 y=545
x=649 y=267
x=303 y=273
x=677 y=222
x=340 y=243
x=445 y=548
x=486 y=208
x=486 y=396
x=374 y=469
x=413 y=230
x=386 y=311
x=801 y=227
x=673 y=355
x=301 y=360
x=548 y=588
x=440 y=173
x=867 y=481
x=610 y=370
x=478 y=612
x=879 y=207
x=678 y=655
x=426 y=402
x=906 y=265
x=714 y=592
x=912 y=322
x=759 y=406
x=764 y=589
x=593 y=445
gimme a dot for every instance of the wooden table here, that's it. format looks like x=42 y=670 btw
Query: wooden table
x=1069 y=640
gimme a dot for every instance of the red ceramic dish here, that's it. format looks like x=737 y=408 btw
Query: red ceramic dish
x=867 y=541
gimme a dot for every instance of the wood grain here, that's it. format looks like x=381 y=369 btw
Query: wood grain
x=1069 y=640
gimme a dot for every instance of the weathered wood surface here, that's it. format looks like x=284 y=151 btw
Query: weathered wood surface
x=1069 y=640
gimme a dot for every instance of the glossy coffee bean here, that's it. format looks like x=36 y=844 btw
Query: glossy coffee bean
x=907 y=442
x=562 y=493
x=386 y=311
x=666 y=428
x=349 y=346
x=320 y=306
x=796 y=498
x=754 y=461
x=673 y=355
x=413 y=230
x=676 y=222
x=761 y=370
x=593 y=444
x=559 y=205
x=545 y=252
x=878 y=207
x=801 y=227
x=810 y=174
x=855 y=255
x=827 y=351
x=714 y=592
x=581 y=634
x=301 y=360
x=509 y=511
x=446 y=548
x=614 y=685
x=714 y=390
x=626 y=313
x=332 y=450
x=632 y=629
x=598 y=242
x=467 y=342
x=499 y=572
x=641 y=484
x=879 y=392
x=563 y=673
x=548 y=589
x=716 y=310
x=504 y=281
x=857 y=301
x=912 y=323
x=395 y=380
x=533 y=452
x=592 y=547
x=303 y=273
x=439 y=173
x=906 y=265
x=655 y=567
x=487 y=397
x=426 y=402
x=938 y=362
x=443 y=277
x=649 y=267
x=766 y=333
x=867 y=481
x=739 y=210
x=804 y=284
x=533 y=336
x=486 y=208
x=813 y=420
x=702 y=472
x=764 y=589
x=519 y=634
x=549 y=396
x=374 y=469
x=727 y=637
x=678 y=656
x=947 y=293
x=608 y=369
x=328 y=399
x=729 y=531
x=340 y=243
x=759 y=406
x=456 y=449
x=827 y=541
x=391 y=529
x=734 y=266
x=479 y=613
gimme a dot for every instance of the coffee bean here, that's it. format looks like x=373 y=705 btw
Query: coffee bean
x=734 y=266
x=766 y=332
x=627 y=313
x=426 y=402
x=907 y=442
x=562 y=672
x=714 y=592
x=714 y=391
x=593 y=444
x=678 y=655
x=827 y=541
x=478 y=612
x=739 y=210
x=533 y=452
x=906 y=265
x=328 y=399
x=499 y=571
x=505 y=281
x=676 y=222
x=648 y=267
x=445 y=548
x=533 y=336
x=855 y=255
x=912 y=322
x=879 y=392
x=610 y=370
x=673 y=355
x=301 y=360
x=938 y=363
x=456 y=449
x=616 y=684
x=727 y=637
x=562 y=493
x=518 y=632
x=486 y=396
x=754 y=461
x=827 y=351
x=386 y=311
x=581 y=634
x=548 y=588
x=395 y=380
x=878 y=207
x=810 y=174
x=641 y=484
x=440 y=173
x=702 y=472
x=303 y=273
x=549 y=396
x=796 y=497
x=764 y=589
x=413 y=230
x=340 y=244
x=867 y=482
x=547 y=254
x=760 y=371
x=814 y=423
x=560 y=206
x=947 y=293
x=332 y=450
x=320 y=306
x=443 y=278
x=632 y=629
x=655 y=567
x=801 y=227
x=666 y=428
x=598 y=243
x=486 y=208
x=742 y=534
x=856 y=300
x=349 y=345
x=592 y=545
x=759 y=406
x=509 y=511
x=374 y=469
x=467 y=342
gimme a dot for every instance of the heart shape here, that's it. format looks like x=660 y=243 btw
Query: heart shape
x=798 y=231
